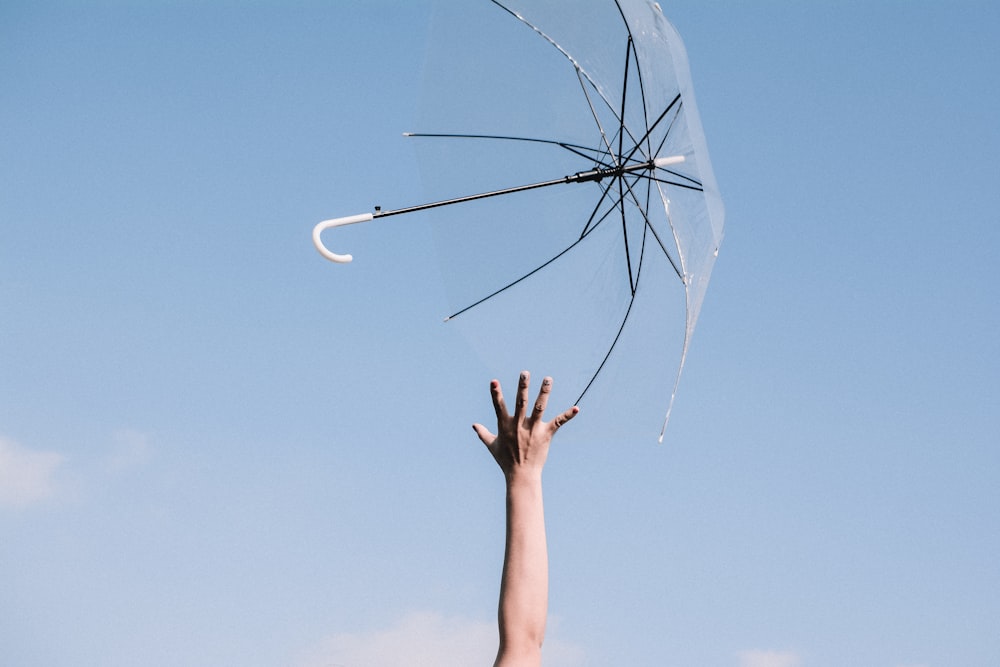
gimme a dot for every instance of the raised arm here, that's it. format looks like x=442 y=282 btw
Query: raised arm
x=520 y=448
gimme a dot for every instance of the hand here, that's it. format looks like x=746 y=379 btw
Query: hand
x=521 y=444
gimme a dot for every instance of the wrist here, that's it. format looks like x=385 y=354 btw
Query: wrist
x=521 y=476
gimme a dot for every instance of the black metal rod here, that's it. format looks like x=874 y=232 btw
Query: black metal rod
x=579 y=177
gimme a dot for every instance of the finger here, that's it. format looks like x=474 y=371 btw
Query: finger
x=522 y=395
x=498 y=403
x=484 y=434
x=543 y=398
x=564 y=417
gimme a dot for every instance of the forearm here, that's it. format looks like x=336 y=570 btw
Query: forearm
x=520 y=449
x=525 y=583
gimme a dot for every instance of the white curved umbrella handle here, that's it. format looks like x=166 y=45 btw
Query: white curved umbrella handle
x=336 y=222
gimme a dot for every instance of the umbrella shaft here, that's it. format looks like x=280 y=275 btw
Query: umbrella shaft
x=483 y=195
x=601 y=174
x=580 y=177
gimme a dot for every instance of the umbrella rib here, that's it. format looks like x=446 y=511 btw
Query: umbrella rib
x=628 y=255
x=586 y=232
x=642 y=96
x=621 y=118
x=628 y=311
x=652 y=127
x=610 y=350
x=696 y=187
x=649 y=225
x=604 y=194
x=597 y=120
x=580 y=71
x=638 y=73
x=582 y=151
x=621 y=12
x=666 y=133
x=552 y=42
x=621 y=191
x=621 y=328
x=515 y=282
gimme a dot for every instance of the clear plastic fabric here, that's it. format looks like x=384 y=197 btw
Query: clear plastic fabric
x=616 y=268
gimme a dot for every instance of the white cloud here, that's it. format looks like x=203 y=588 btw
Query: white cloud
x=758 y=658
x=26 y=476
x=426 y=639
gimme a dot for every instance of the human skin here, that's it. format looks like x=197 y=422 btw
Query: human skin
x=520 y=447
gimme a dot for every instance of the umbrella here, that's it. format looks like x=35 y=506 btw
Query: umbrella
x=595 y=254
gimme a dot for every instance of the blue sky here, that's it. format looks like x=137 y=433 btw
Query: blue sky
x=217 y=448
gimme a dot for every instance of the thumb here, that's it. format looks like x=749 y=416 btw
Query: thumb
x=484 y=434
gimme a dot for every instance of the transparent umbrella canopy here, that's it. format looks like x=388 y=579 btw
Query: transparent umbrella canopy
x=584 y=241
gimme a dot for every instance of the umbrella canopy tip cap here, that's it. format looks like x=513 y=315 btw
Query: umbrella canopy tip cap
x=667 y=161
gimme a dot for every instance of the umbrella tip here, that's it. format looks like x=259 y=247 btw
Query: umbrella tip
x=667 y=161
